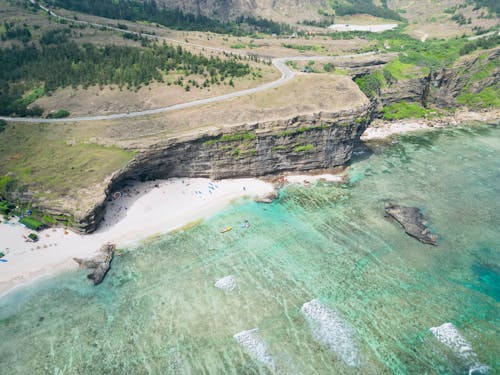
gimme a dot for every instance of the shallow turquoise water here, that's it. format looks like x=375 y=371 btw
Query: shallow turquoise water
x=159 y=312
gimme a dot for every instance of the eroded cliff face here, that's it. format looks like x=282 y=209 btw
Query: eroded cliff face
x=300 y=143
x=409 y=90
x=470 y=74
x=443 y=88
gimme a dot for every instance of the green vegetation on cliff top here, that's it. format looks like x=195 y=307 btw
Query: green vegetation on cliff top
x=394 y=71
x=432 y=54
x=42 y=70
x=399 y=70
x=402 y=110
x=43 y=157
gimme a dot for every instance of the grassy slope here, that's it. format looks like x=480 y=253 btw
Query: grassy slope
x=43 y=157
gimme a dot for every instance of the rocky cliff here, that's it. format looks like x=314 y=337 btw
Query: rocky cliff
x=410 y=90
x=315 y=141
x=445 y=87
x=471 y=74
x=300 y=143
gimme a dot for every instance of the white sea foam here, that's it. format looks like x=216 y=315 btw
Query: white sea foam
x=227 y=283
x=256 y=347
x=479 y=370
x=330 y=330
x=449 y=335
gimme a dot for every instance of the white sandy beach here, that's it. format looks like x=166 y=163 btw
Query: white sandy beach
x=386 y=129
x=380 y=129
x=142 y=211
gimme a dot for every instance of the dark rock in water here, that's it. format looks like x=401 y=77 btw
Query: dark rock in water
x=413 y=222
x=101 y=263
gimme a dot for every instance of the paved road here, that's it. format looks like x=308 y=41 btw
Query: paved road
x=287 y=74
x=483 y=35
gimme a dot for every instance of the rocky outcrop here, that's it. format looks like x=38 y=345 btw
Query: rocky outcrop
x=359 y=66
x=409 y=90
x=442 y=88
x=465 y=75
x=100 y=264
x=413 y=222
x=269 y=198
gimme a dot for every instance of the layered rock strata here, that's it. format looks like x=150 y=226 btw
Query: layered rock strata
x=300 y=143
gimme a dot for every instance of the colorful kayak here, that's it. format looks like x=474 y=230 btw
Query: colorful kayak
x=226 y=229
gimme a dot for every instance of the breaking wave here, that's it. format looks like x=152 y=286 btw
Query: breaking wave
x=449 y=335
x=227 y=283
x=331 y=331
x=256 y=347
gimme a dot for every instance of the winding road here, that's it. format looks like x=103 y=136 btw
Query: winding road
x=287 y=74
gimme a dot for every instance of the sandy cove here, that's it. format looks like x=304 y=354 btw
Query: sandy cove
x=143 y=210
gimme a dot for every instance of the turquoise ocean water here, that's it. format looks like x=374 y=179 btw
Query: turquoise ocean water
x=380 y=290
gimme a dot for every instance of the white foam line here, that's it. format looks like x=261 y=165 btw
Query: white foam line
x=331 y=331
x=256 y=347
x=449 y=335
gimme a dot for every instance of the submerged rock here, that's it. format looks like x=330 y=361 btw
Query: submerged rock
x=413 y=222
x=101 y=263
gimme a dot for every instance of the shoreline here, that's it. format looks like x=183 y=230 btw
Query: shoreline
x=142 y=211
x=382 y=129
x=148 y=209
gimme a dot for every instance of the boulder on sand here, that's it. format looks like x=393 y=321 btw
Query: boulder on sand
x=268 y=198
x=101 y=263
x=413 y=222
